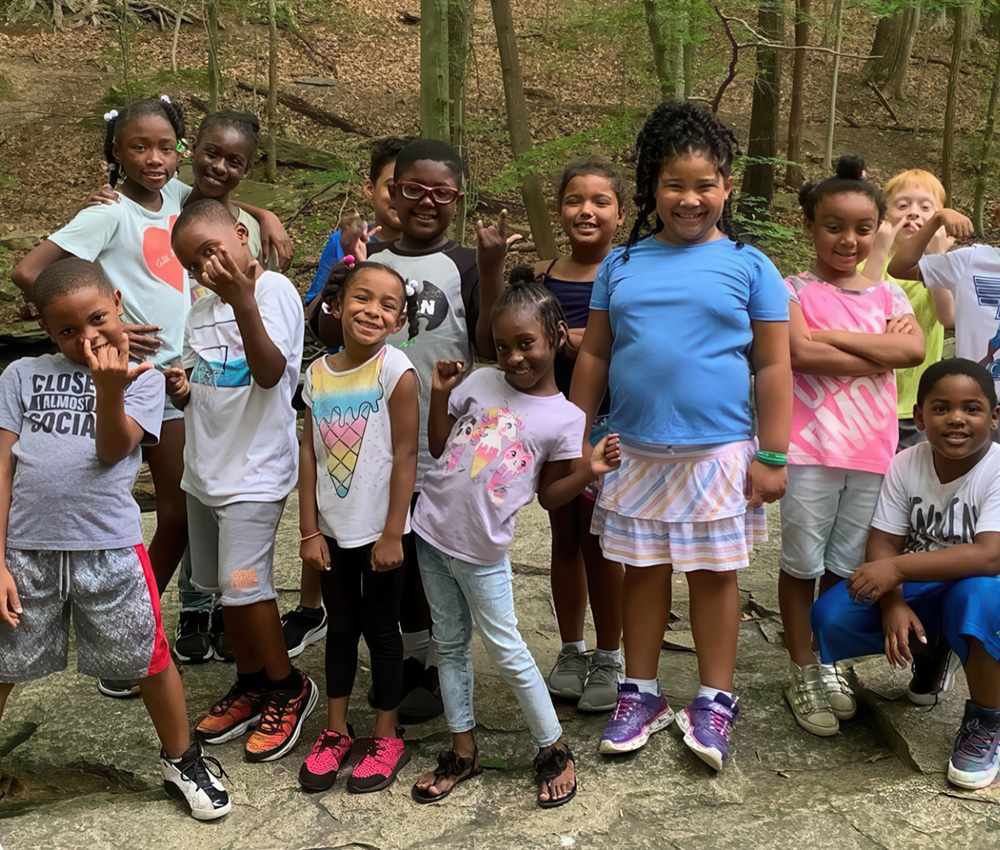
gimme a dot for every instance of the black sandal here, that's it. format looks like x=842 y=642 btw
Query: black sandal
x=450 y=765
x=549 y=765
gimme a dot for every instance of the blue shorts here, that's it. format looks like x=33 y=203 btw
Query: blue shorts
x=959 y=610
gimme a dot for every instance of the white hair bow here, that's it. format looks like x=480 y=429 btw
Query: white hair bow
x=413 y=287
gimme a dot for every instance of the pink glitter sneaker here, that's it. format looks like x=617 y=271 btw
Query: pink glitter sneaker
x=377 y=770
x=319 y=770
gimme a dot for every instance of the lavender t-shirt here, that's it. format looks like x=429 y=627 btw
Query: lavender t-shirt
x=491 y=464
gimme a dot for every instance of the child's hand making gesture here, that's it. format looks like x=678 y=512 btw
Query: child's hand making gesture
x=492 y=242
x=109 y=366
x=447 y=375
x=355 y=236
x=228 y=281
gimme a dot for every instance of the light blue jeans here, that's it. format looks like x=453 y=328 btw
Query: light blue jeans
x=460 y=595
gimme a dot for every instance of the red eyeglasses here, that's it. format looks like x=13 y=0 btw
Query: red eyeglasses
x=417 y=191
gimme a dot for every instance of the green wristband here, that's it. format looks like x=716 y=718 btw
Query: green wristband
x=772 y=458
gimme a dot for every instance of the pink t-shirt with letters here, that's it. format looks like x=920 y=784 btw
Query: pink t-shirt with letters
x=845 y=422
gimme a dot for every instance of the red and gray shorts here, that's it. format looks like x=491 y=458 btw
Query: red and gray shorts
x=111 y=597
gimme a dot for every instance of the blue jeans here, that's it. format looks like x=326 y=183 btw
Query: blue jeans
x=460 y=595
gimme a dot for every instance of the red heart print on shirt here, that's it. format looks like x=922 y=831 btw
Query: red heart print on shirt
x=159 y=256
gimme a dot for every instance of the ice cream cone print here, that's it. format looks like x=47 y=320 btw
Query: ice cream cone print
x=342 y=403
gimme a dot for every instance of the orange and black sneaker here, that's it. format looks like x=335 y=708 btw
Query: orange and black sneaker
x=281 y=721
x=232 y=715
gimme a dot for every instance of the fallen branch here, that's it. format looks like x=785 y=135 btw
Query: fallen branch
x=308 y=201
x=883 y=101
x=316 y=113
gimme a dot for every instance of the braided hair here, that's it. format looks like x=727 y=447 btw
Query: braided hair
x=849 y=177
x=525 y=292
x=117 y=122
x=245 y=123
x=342 y=274
x=675 y=129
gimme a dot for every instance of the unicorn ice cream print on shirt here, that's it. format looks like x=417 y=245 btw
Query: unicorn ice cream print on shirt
x=495 y=437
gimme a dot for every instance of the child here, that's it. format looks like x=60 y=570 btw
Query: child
x=591 y=207
x=933 y=557
x=307 y=623
x=524 y=436
x=71 y=424
x=911 y=198
x=677 y=323
x=361 y=418
x=847 y=336
x=459 y=287
x=242 y=351
x=386 y=227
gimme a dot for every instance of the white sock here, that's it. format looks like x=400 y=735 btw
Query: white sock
x=608 y=657
x=645 y=686
x=415 y=645
x=705 y=691
x=574 y=646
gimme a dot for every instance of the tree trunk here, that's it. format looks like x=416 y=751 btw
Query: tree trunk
x=985 y=153
x=272 y=93
x=758 y=179
x=832 y=120
x=884 y=47
x=214 y=74
x=951 y=98
x=435 y=113
x=896 y=82
x=517 y=124
x=459 y=35
x=793 y=175
x=177 y=34
x=659 y=45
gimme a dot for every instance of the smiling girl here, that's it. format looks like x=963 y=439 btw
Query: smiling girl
x=847 y=336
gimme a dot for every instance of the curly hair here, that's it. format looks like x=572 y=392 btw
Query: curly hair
x=674 y=129
x=525 y=292
x=341 y=275
x=117 y=122
x=849 y=178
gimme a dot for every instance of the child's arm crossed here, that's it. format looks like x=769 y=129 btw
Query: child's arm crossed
x=900 y=347
x=812 y=356
x=404 y=418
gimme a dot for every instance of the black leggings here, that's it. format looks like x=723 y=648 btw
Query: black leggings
x=360 y=601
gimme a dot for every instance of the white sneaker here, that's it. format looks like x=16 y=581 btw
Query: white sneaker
x=190 y=780
x=600 y=691
x=807 y=698
x=838 y=692
x=569 y=674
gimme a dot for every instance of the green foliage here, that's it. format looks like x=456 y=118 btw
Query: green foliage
x=6 y=89
x=611 y=136
x=153 y=84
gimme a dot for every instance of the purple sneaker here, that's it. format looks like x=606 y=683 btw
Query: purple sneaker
x=636 y=717
x=707 y=725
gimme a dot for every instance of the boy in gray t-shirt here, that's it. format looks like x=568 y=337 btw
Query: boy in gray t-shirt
x=71 y=428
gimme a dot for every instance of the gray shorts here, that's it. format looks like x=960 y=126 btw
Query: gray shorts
x=232 y=549
x=111 y=595
x=826 y=514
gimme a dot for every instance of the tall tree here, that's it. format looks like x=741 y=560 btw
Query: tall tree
x=838 y=22
x=793 y=174
x=460 y=13
x=758 y=178
x=896 y=81
x=656 y=40
x=517 y=124
x=214 y=75
x=986 y=146
x=961 y=15
x=434 y=95
x=272 y=92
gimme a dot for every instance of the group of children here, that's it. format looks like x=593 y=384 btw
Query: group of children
x=654 y=396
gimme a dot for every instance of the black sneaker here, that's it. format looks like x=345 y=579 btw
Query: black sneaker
x=118 y=688
x=221 y=650
x=189 y=779
x=933 y=672
x=302 y=627
x=423 y=703
x=193 y=643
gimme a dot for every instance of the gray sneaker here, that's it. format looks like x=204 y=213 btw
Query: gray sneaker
x=807 y=698
x=569 y=674
x=838 y=692
x=600 y=692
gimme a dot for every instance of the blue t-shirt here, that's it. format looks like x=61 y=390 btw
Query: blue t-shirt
x=332 y=254
x=680 y=355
